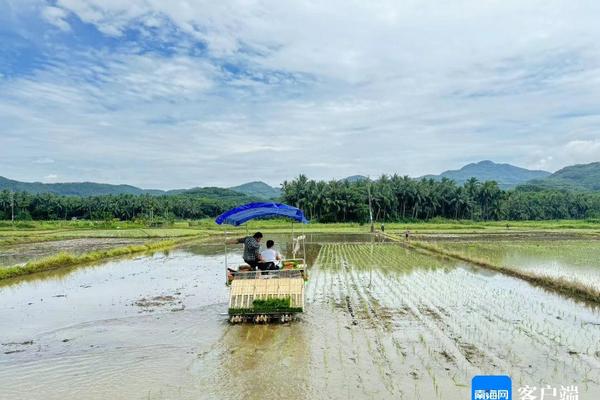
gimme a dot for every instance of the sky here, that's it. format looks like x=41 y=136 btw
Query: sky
x=177 y=94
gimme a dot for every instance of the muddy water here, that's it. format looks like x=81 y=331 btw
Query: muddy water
x=22 y=253
x=381 y=322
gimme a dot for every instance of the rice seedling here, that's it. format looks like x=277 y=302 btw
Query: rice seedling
x=577 y=289
x=480 y=322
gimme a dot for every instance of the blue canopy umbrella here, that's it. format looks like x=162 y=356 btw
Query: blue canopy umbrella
x=240 y=215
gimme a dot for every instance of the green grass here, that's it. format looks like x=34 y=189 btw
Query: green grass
x=65 y=259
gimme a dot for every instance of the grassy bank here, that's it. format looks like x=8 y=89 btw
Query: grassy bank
x=574 y=289
x=65 y=259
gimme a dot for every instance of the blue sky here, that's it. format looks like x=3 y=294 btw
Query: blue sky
x=173 y=94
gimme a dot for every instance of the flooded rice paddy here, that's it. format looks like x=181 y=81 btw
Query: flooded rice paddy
x=573 y=260
x=381 y=322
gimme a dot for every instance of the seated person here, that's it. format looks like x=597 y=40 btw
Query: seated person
x=251 y=249
x=270 y=257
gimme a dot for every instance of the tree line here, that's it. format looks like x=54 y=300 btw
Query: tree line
x=48 y=206
x=392 y=198
x=398 y=198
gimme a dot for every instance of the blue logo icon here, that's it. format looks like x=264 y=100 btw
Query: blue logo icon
x=491 y=387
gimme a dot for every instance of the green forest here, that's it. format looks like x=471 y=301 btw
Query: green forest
x=400 y=198
x=193 y=204
x=393 y=198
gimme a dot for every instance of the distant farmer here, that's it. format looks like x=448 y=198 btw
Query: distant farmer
x=270 y=257
x=382 y=227
x=252 y=255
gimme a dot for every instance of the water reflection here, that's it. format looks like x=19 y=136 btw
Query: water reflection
x=259 y=361
x=574 y=260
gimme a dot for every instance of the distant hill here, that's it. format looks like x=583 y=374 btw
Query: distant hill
x=258 y=189
x=72 y=189
x=253 y=190
x=507 y=175
x=216 y=193
x=354 y=178
x=581 y=177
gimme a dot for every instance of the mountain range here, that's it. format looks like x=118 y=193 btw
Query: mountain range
x=506 y=175
x=256 y=190
x=584 y=177
x=581 y=177
x=73 y=188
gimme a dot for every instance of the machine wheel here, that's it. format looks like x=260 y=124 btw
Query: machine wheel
x=287 y=317
x=236 y=319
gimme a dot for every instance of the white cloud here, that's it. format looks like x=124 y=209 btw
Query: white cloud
x=57 y=17
x=582 y=151
x=50 y=178
x=331 y=88
x=579 y=151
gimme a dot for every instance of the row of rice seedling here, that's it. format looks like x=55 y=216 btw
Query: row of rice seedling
x=384 y=345
x=438 y=369
x=363 y=345
x=480 y=321
x=538 y=322
x=424 y=353
x=379 y=346
x=347 y=300
x=482 y=331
